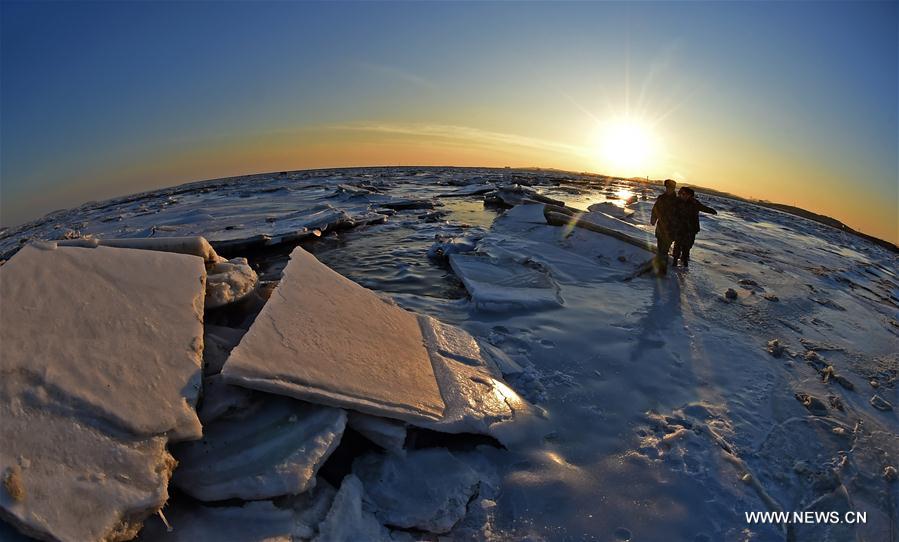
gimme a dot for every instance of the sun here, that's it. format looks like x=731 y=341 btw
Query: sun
x=627 y=147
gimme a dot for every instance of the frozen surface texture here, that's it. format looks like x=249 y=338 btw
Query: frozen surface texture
x=386 y=433
x=324 y=338
x=427 y=489
x=229 y=282
x=100 y=367
x=65 y=480
x=197 y=246
x=497 y=285
x=667 y=413
x=105 y=333
x=477 y=400
x=348 y=521
x=251 y=522
x=270 y=448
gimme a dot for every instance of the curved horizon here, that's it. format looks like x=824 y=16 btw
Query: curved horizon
x=789 y=103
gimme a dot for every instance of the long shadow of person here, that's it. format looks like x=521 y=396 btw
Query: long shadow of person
x=664 y=312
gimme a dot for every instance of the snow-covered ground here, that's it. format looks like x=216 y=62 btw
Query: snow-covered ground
x=671 y=407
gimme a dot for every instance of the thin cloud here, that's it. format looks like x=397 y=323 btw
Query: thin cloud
x=467 y=134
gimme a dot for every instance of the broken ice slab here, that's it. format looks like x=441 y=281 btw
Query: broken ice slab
x=296 y=518
x=571 y=255
x=218 y=341
x=109 y=334
x=503 y=285
x=65 y=480
x=197 y=246
x=388 y=434
x=347 y=521
x=510 y=196
x=270 y=230
x=477 y=400
x=600 y=222
x=325 y=339
x=469 y=190
x=250 y=522
x=220 y=399
x=270 y=448
x=609 y=208
x=426 y=489
x=444 y=246
x=229 y=282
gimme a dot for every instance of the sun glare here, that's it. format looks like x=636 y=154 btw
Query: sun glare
x=627 y=147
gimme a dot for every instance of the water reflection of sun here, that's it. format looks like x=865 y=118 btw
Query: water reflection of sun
x=624 y=194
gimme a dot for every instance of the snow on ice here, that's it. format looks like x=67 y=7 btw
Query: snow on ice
x=666 y=407
x=101 y=366
x=324 y=338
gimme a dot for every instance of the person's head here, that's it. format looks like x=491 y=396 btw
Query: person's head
x=670 y=185
x=685 y=193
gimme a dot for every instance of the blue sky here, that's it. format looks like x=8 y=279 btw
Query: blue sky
x=793 y=102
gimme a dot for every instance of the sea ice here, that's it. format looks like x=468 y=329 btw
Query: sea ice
x=388 y=434
x=611 y=209
x=250 y=522
x=196 y=246
x=65 y=480
x=570 y=255
x=102 y=333
x=427 y=489
x=505 y=285
x=221 y=399
x=218 y=341
x=325 y=339
x=273 y=447
x=229 y=281
x=347 y=521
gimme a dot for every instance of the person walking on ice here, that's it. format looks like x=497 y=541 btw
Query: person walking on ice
x=686 y=223
x=663 y=219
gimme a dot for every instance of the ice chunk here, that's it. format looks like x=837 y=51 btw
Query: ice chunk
x=251 y=522
x=286 y=519
x=453 y=342
x=104 y=333
x=347 y=521
x=325 y=339
x=426 y=489
x=228 y=282
x=476 y=398
x=602 y=223
x=218 y=341
x=220 y=399
x=570 y=255
x=469 y=190
x=511 y=196
x=388 y=434
x=273 y=447
x=503 y=285
x=196 y=246
x=65 y=480
x=444 y=246
x=611 y=209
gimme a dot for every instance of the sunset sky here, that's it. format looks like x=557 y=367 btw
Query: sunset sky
x=790 y=102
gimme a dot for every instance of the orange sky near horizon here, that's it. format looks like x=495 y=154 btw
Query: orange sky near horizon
x=780 y=181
